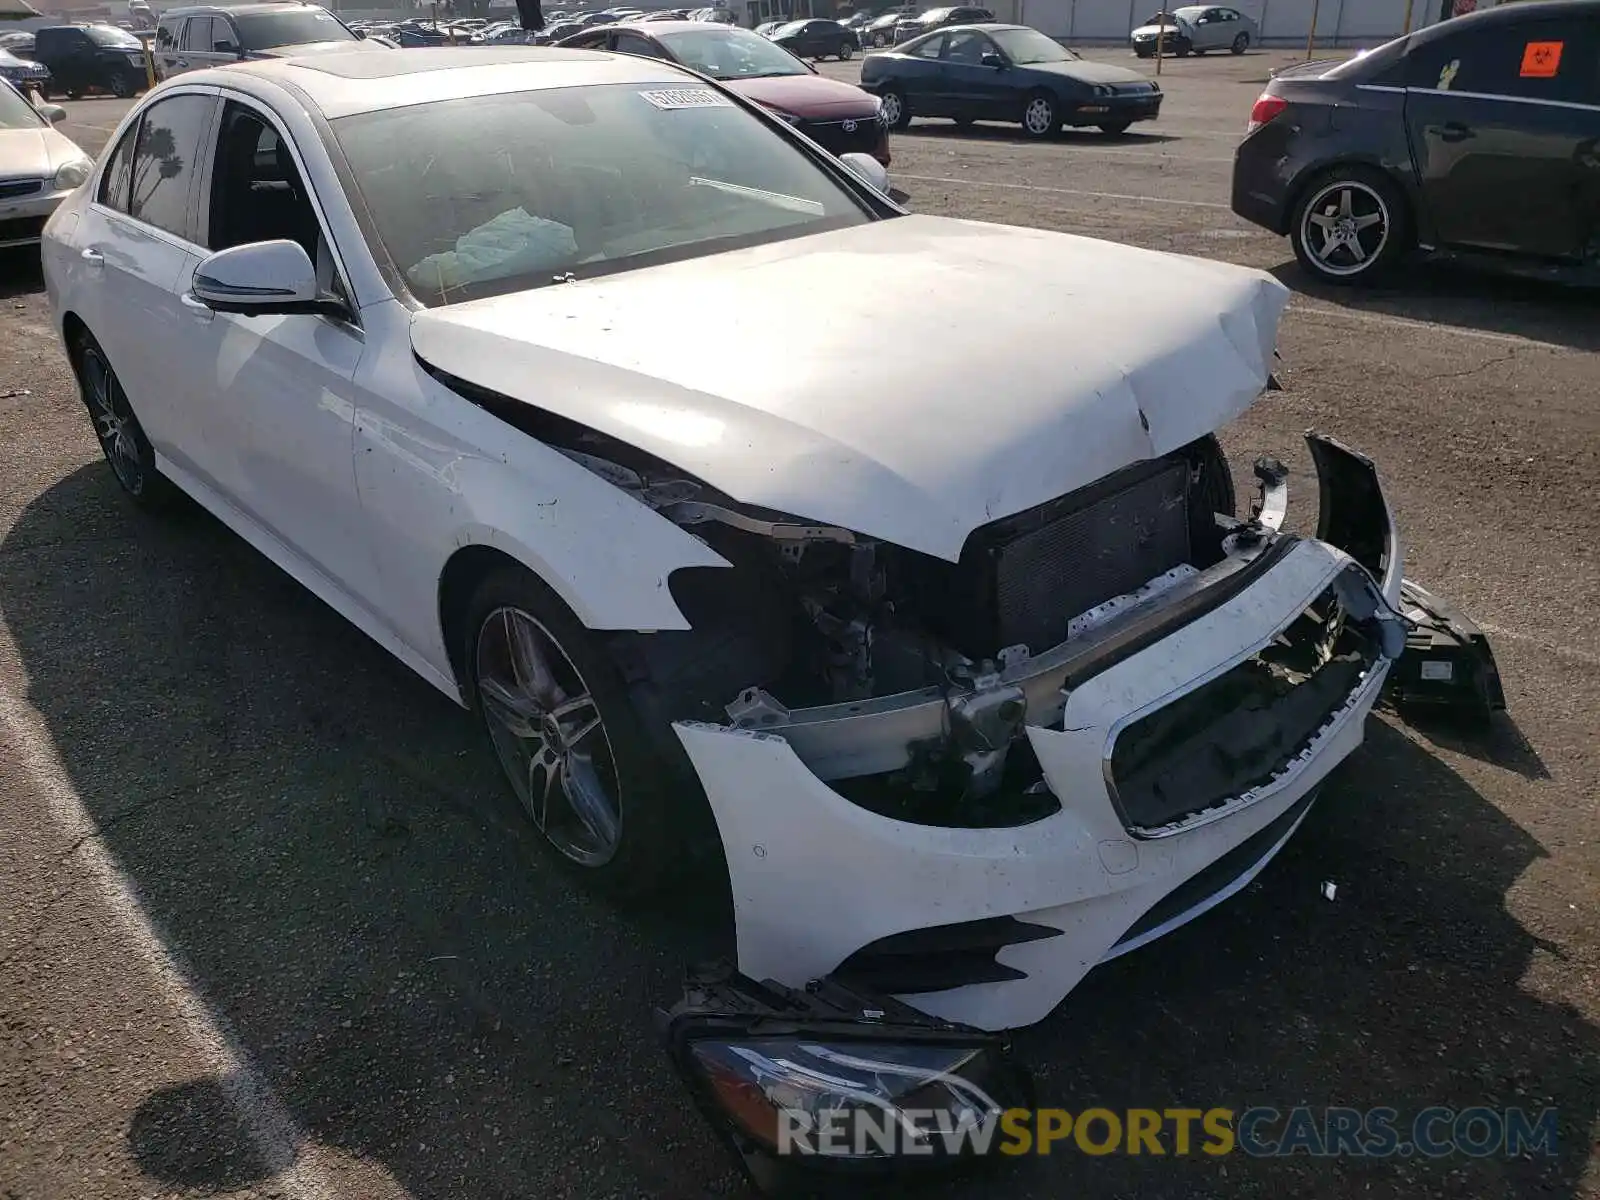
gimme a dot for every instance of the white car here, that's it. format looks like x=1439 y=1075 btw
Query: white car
x=39 y=166
x=958 y=648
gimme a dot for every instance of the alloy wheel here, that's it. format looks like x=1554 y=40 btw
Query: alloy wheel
x=114 y=424
x=892 y=108
x=1039 y=117
x=549 y=735
x=1345 y=228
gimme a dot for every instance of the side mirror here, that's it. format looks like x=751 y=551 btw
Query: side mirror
x=53 y=113
x=991 y=59
x=869 y=170
x=259 y=278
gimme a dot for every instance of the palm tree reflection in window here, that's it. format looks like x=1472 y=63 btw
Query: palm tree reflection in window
x=156 y=159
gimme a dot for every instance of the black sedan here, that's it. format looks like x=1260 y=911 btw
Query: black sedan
x=817 y=39
x=1479 y=136
x=1006 y=73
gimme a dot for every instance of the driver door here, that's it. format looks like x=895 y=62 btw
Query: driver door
x=272 y=395
x=973 y=88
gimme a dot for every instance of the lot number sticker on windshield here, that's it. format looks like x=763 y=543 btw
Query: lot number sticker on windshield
x=1541 y=60
x=671 y=98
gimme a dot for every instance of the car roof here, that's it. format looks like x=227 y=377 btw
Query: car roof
x=656 y=27
x=1507 y=14
x=348 y=82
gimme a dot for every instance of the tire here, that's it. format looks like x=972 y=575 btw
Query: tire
x=1115 y=128
x=846 y=50
x=1345 y=203
x=1199 y=53
x=124 y=85
x=122 y=439
x=879 y=41
x=895 y=109
x=1183 y=47
x=601 y=801
x=1240 y=44
x=1144 y=53
x=1040 y=115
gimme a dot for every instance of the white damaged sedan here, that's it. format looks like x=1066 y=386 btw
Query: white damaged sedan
x=960 y=648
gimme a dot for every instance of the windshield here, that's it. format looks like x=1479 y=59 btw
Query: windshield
x=492 y=194
x=297 y=27
x=109 y=35
x=15 y=112
x=1024 y=46
x=731 y=54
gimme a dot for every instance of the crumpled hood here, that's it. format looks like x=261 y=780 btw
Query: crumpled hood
x=1179 y=26
x=910 y=379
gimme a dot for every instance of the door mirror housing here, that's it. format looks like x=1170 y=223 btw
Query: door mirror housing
x=992 y=59
x=869 y=170
x=53 y=113
x=261 y=278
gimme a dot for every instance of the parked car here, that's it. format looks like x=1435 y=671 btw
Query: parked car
x=39 y=166
x=879 y=31
x=817 y=39
x=196 y=37
x=1195 y=30
x=85 y=58
x=1474 y=137
x=767 y=28
x=18 y=43
x=938 y=18
x=24 y=72
x=838 y=116
x=1006 y=73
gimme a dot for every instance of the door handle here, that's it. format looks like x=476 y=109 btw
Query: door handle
x=94 y=258
x=1455 y=131
x=197 y=307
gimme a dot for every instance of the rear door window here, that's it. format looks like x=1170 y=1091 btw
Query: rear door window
x=1549 y=59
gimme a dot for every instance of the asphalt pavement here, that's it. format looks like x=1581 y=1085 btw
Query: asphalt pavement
x=269 y=927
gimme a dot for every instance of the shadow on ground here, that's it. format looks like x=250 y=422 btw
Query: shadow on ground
x=994 y=131
x=322 y=838
x=1458 y=295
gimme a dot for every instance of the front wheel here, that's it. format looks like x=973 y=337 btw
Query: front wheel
x=1115 y=128
x=879 y=41
x=1039 y=118
x=1183 y=47
x=1240 y=44
x=1350 y=227
x=123 y=85
x=896 y=112
x=122 y=439
x=846 y=50
x=570 y=743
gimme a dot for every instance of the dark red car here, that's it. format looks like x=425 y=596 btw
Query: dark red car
x=838 y=116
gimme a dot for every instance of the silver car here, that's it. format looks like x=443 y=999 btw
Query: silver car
x=1196 y=29
x=39 y=167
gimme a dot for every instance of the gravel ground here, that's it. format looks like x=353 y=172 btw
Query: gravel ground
x=346 y=972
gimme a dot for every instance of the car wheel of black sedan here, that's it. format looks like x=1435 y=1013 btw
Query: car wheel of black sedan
x=1240 y=44
x=1350 y=226
x=896 y=112
x=1115 y=128
x=880 y=40
x=1183 y=47
x=1039 y=116
x=845 y=51
x=568 y=740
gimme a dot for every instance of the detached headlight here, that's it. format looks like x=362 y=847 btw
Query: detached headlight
x=833 y=1079
x=70 y=176
x=781 y=115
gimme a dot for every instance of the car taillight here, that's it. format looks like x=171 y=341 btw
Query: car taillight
x=1267 y=106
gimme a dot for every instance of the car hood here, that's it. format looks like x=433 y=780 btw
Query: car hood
x=34 y=153
x=806 y=95
x=1180 y=26
x=1088 y=72
x=911 y=379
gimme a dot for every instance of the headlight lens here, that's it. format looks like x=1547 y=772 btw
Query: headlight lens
x=865 y=1100
x=71 y=175
x=783 y=116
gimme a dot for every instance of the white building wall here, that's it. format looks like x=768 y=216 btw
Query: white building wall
x=1341 y=22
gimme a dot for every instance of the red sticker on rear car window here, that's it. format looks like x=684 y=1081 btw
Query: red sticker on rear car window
x=1541 y=60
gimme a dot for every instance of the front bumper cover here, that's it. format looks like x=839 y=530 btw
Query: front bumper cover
x=817 y=879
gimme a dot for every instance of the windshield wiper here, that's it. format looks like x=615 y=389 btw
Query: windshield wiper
x=797 y=204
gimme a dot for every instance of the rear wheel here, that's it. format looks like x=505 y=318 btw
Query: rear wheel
x=1039 y=116
x=1350 y=226
x=124 y=84
x=846 y=50
x=896 y=112
x=1240 y=44
x=122 y=439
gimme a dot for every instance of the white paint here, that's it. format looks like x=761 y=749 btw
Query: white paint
x=281 y=1144
x=1119 y=355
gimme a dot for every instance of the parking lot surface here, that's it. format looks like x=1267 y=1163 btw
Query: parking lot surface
x=269 y=928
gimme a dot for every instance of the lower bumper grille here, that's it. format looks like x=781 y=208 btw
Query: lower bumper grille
x=22 y=229
x=10 y=189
